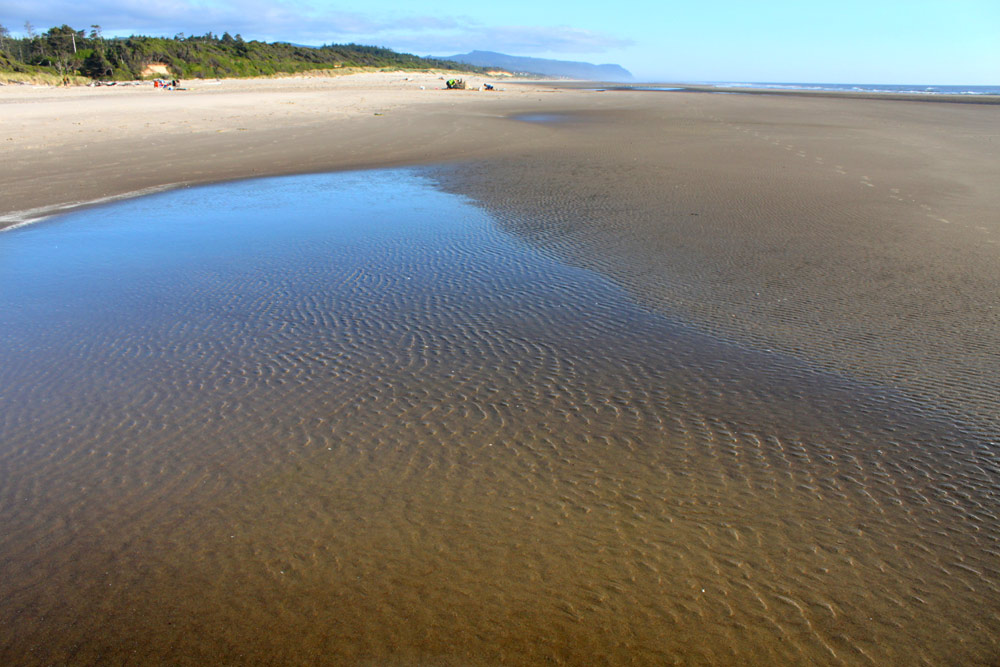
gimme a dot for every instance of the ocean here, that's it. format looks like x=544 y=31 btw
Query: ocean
x=905 y=89
x=896 y=89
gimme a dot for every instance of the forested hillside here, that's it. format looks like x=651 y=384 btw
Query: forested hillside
x=65 y=51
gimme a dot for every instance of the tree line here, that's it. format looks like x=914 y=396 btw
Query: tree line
x=66 y=51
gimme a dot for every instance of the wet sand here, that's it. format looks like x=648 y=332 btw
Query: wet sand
x=862 y=235
x=800 y=468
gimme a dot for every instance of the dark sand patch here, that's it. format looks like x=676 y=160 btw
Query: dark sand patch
x=859 y=235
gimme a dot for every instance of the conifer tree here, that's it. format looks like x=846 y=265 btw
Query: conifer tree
x=96 y=65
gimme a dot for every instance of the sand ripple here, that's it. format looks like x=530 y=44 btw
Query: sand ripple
x=347 y=419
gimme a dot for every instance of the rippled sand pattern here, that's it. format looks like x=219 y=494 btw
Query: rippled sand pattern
x=860 y=235
x=345 y=419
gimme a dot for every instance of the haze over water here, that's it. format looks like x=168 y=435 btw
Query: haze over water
x=348 y=418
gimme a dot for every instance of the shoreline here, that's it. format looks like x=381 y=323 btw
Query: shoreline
x=17 y=219
x=96 y=144
x=859 y=234
x=845 y=95
x=885 y=96
x=65 y=148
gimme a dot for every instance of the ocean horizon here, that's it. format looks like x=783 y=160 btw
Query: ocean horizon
x=892 y=88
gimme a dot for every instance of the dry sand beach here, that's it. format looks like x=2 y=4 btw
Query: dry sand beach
x=800 y=466
x=92 y=143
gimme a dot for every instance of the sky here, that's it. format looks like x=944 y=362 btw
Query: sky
x=875 y=41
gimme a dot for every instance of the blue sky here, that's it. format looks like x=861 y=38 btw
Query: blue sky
x=878 y=41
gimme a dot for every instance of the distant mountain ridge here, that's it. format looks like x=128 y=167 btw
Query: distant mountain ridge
x=544 y=66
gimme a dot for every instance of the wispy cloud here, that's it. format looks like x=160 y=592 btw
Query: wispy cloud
x=305 y=23
x=519 y=40
x=263 y=19
x=556 y=39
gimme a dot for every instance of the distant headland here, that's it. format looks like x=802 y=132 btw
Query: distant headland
x=559 y=68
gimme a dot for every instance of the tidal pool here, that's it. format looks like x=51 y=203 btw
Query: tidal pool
x=346 y=418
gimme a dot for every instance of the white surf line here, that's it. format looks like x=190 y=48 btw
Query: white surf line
x=18 y=219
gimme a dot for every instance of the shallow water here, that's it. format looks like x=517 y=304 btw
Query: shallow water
x=543 y=118
x=345 y=418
